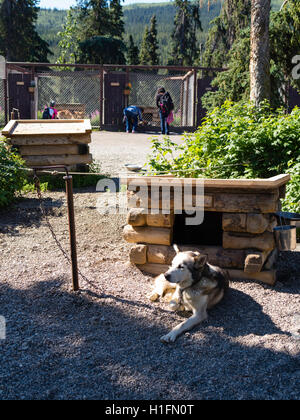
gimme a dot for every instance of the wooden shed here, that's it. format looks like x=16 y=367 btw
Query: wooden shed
x=51 y=142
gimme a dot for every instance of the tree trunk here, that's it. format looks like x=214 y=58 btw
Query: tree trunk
x=260 y=87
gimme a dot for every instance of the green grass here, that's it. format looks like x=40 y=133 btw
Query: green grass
x=57 y=183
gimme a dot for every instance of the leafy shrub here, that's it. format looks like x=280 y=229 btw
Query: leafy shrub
x=11 y=176
x=235 y=141
x=292 y=199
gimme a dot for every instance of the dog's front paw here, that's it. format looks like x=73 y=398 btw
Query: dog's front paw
x=168 y=338
x=154 y=297
x=174 y=306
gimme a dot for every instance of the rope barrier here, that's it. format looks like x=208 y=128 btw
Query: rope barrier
x=128 y=173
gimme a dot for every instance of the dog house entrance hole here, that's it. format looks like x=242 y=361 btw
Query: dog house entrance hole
x=210 y=232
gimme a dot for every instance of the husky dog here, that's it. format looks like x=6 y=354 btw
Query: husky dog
x=198 y=287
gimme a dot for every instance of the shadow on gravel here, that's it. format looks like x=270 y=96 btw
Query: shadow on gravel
x=63 y=345
x=288 y=271
x=27 y=213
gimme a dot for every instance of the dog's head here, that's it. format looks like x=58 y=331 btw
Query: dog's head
x=186 y=268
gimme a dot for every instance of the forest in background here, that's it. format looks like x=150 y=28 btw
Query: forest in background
x=136 y=17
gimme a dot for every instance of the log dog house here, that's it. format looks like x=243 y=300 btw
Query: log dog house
x=236 y=234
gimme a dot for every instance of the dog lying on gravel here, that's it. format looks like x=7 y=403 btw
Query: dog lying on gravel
x=198 y=286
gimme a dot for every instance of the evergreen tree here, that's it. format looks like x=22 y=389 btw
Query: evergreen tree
x=144 y=52
x=235 y=16
x=102 y=50
x=102 y=29
x=132 y=53
x=152 y=42
x=116 y=17
x=19 y=40
x=234 y=84
x=149 y=47
x=187 y=22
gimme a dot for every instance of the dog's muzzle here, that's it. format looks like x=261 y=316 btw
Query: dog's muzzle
x=170 y=278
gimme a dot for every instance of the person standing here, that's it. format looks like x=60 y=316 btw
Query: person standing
x=132 y=114
x=165 y=105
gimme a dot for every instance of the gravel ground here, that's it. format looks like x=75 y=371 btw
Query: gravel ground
x=114 y=150
x=103 y=342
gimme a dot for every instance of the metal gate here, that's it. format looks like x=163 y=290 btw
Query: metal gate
x=19 y=94
x=203 y=86
x=115 y=99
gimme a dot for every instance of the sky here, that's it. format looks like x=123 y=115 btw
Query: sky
x=65 y=4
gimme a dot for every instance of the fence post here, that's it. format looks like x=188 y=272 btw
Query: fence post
x=5 y=85
x=195 y=98
x=101 y=97
x=70 y=200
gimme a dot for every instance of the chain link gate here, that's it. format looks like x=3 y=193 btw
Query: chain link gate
x=76 y=93
x=101 y=94
x=180 y=85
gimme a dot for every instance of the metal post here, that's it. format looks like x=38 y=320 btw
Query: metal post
x=71 y=216
x=6 y=105
x=195 y=102
x=101 y=97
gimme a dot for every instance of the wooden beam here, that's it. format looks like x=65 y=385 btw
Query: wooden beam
x=252 y=184
x=49 y=150
x=148 y=235
x=154 y=269
x=138 y=254
x=267 y=277
x=264 y=242
x=45 y=139
x=136 y=217
x=58 y=160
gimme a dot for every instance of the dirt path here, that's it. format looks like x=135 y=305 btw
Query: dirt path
x=105 y=345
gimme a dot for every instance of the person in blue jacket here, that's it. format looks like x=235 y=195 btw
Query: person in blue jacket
x=132 y=114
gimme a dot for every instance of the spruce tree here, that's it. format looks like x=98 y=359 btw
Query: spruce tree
x=19 y=40
x=152 y=42
x=144 y=52
x=132 y=53
x=187 y=22
x=234 y=84
x=149 y=47
x=235 y=16
x=116 y=18
x=102 y=31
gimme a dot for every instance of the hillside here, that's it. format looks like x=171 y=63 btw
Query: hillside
x=136 y=17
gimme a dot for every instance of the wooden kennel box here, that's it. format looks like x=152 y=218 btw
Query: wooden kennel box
x=236 y=234
x=51 y=142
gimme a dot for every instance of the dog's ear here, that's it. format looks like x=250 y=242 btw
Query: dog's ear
x=200 y=260
x=176 y=249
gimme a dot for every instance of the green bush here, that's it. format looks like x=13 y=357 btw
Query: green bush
x=11 y=176
x=236 y=140
x=292 y=199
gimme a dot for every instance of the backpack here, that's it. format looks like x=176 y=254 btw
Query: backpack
x=166 y=104
x=46 y=114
